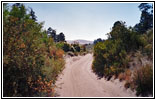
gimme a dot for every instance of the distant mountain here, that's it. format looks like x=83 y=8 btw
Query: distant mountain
x=80 y=41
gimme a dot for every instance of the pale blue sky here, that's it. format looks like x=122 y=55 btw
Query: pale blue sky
x=87 y=21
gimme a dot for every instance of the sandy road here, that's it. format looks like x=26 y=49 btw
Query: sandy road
x=78 y=80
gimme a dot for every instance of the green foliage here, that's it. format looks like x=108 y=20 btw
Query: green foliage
x=98 y=64
x=98 y=40
x=113 y=52
x=57 y=38
x=77 y=47
x=5 y=11
x=74 y=48
x=143 y=40
x=29 y=55
x=66 y=47
x=63 y=45
x=111 y=57
x=61 y=37
x=60 y=44
x=146 y=20
x=32 y=15
x=108 y=55
x=118 y=30
x=148 y=47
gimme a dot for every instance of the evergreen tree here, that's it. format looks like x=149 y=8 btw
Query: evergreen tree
x=61 y=37
x=146 y=20
x=32 y=14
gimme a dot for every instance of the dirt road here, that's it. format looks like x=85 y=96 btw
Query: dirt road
x=78 y=80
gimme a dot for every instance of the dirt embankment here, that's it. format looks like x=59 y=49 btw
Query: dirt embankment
x=78 y=80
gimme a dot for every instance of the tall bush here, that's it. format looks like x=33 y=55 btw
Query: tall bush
x=27 y=52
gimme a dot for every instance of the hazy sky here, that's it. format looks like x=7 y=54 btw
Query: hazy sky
x=87 y=21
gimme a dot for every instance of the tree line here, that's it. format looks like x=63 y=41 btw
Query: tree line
x=57 y=38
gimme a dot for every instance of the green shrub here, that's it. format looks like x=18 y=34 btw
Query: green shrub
x=99 y=61
x=112 y=71
x=109 y=56
x=76 y=47
x=143 y=40
x=31 y=61
x=60 y=44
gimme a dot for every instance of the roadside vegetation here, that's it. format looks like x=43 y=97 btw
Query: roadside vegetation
x=127 y=54
x=74 y=49
x=31 y=59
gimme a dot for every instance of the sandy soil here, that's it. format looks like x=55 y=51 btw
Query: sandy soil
x=78 y=80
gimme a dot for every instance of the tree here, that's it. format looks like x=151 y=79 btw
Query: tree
x=146 y=7
x=66 y=47
x=57 y=38
x=118 y=30
x=49 y=31
x=17 y=4
x=61 y=37
x=18 y=10
x=32 y=14
x=5 y=11
x=52 y=33
x=97 y=40
x=146 y=20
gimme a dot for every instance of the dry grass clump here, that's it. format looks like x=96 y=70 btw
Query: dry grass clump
x=143 y=80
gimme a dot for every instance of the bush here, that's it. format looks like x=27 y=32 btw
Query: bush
x=143 y=40
x=99 y=61
x=143 y=80
x=112 y=53
x=109 y=58
x=31 y=61
x=66 y=47
x=76 y=47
